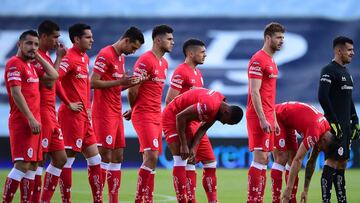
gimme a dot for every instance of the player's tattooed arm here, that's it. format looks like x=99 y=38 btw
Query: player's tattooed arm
x=310 y=167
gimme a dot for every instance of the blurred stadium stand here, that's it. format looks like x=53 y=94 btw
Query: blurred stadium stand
x=232 y=30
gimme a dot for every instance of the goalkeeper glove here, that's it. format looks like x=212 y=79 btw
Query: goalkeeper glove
x=336 y=130
x=355 y=127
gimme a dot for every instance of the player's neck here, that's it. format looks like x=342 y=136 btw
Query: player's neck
x=268 y=50
x=190 y=63
x=43 y=49
x=117 y=47
x=159 y=53
x=339 y=61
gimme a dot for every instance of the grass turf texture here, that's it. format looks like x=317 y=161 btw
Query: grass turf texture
x=232 y=186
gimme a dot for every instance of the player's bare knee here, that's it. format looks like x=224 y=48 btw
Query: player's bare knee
x=59 y=162
x=22 y=166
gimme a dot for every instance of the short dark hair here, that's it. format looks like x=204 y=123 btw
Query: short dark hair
x=161 y=30
x=47 y=27
x=236 y=113
x=190 y=43
x=272 y=28
x=134 y=34
x=28 y=32
x=77 y=30
x=341 y=40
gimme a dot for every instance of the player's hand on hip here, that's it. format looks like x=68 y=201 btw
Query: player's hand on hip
x=76 y=106
x=127 y=114
x=336 y=129
x=304 y=196
x=35 y=126
x=184 y=151
x=265 y=125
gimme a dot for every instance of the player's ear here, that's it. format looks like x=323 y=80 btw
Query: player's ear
x=18 y=44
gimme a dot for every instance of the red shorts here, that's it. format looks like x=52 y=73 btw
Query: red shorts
x=77 y=130
x=258 y=139
x=149 y=135
x=204 y=151
x=109 y=132
x=25 y=146
x=52 y=137
x=286 y=140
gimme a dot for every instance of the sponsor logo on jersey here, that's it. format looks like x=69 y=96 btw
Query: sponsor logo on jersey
x=14 y=74
x=117 y=75
x=45 y=143
x=109 y=139
x=31 y=79
x=157 y=79
x=346 y=87
x=272 y=75
x=81 y=76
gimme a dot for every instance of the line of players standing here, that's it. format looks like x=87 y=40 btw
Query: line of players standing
x=33 y=80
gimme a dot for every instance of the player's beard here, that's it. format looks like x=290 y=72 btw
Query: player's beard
x=29 y=55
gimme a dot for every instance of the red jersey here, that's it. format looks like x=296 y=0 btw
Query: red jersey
x=206 y=102
x=47 y=95
x=304 y=118
x=110 y=66
x=21 y=73
x=185 y=78
x=148 y=102
x=262 y=66
x=74 y=76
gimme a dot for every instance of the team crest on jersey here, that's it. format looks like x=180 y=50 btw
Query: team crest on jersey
x=341 y=151
x=78 y=68
x=45 y=143
x=30 y=152
x=61 y=137
x=282 y=143
x=116 y=67
x=109 y=139
x=193 y=81
x=267 y=143
x=156 y=72
x=155 y=142
x=79 y=143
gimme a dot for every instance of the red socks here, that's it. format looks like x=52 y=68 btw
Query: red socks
x=142 y=188
x=37 y=185
x=256 y=182
x=66 y=180
x=191 y=182
x=51 y=180
x=296 y=183
x=27 y=186
x=209 y=181
x=11 y=184
x=276 y=179
x=114 y=181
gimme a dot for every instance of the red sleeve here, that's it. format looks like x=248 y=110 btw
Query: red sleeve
x=14 y=72
x=205 y=109
x=142 y=67
x=255 y=69
x=65 y=67
x=178 y=79
x=61 y=94
x=101 y=63
x=309 y=141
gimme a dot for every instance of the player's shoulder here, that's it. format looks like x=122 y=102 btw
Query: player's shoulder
x=181 y=69
x=328 y=69
x=14 y=62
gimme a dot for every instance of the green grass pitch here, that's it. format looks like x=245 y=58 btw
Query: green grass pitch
x=232 y=186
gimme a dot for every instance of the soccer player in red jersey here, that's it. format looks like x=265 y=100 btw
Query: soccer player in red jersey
x=76 y=126
x=109 y=79
x=52 y=138
x=201 y=106
x=260 y=111
x=22 y=85
x=145 y=102
x=185 y=77
x=312 y=126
